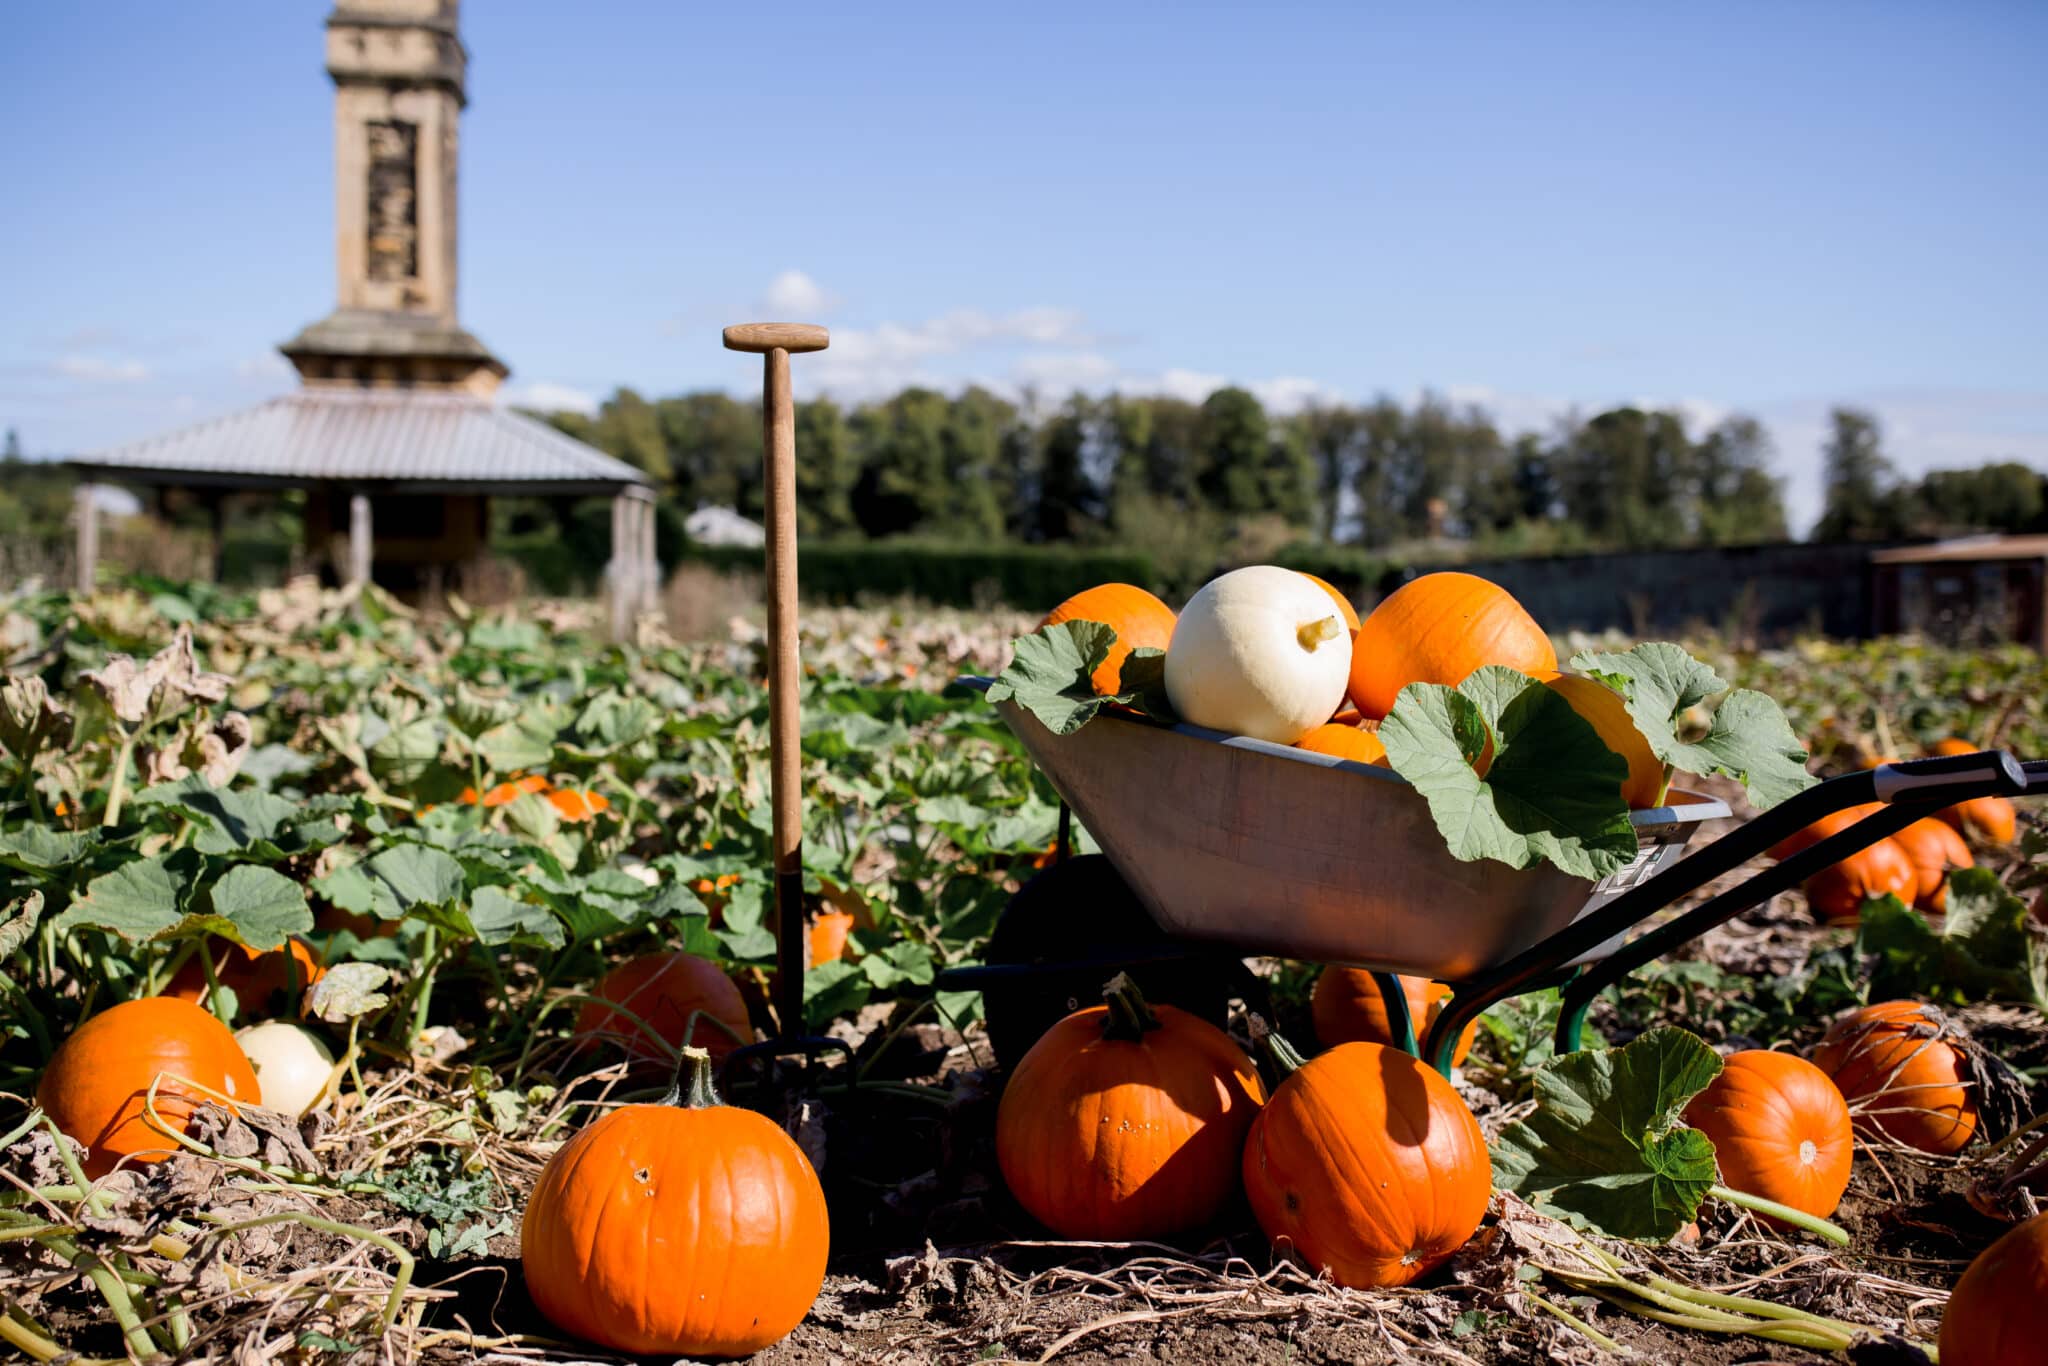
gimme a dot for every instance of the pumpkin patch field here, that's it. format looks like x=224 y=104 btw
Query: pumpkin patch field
x=386 y=987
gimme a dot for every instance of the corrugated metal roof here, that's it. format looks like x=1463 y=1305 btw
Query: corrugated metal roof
x=431 y=441
x=1968 y=548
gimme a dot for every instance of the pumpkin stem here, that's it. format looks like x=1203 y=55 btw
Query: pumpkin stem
x=1318 y=631
x=701 y=1095
x=1286 y=1059
x=1129 y=1017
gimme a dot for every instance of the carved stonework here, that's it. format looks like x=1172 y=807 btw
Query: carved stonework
x=393 y=226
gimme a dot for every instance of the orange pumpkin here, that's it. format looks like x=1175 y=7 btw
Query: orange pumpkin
x=1990 y=819
x=1998 y=1313
x=1126 y=1120
x=666 y=990
x=1832 y=824
x=95 y=1086
x=1895 y=1064
x=1438 y=629
x=267 y=982
x=1345 y=742
x=1344 y=607
x=1836 y=894
x=1348 y=1008
x=1602 y=708
x=1780 y=1129
x=506 y=792
x=573 y=806
x=1934 y=849
x=686 y=1228
x=1367 y=1165
x=331 y=919
x=828 y=936
x=1140 y=620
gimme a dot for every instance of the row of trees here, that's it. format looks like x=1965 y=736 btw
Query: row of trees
x=1868 y=501
x=977 y=467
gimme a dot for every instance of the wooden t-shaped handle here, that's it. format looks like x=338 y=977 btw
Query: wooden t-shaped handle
x=774 y=342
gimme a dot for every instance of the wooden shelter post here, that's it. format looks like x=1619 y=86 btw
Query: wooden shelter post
x=619 y=574
x=359 y=539
x=650 y=561
x=86 y=515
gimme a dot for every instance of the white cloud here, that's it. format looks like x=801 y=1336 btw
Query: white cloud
x=866 y=362
x=795 y=297
x=1292 y=393
x=547 y=397
x=1062 y=372
x=100 y=370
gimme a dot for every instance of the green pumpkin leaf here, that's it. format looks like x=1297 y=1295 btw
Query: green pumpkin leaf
x=527 y=741
x=745 y=934
x=40 y=849
x=139 y=900
x=1050 y=677
x=498 y=917
x=1552 y=792
x=406 y=877
x=264 y=906
x=1605 y=1149
x=1748 y=739
x=1986 y=948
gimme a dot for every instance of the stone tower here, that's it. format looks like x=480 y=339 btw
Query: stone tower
x=398 y=69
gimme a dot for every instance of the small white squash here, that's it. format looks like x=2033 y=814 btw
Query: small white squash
x=293 y=1064
x=1260 y=651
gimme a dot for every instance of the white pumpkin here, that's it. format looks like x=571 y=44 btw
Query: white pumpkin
x=1260 y=651
x=293 y=1064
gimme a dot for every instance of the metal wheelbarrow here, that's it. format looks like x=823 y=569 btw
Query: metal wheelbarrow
x=1258 y=848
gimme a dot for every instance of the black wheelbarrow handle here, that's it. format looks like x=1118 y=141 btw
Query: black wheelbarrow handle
x=1910 y=790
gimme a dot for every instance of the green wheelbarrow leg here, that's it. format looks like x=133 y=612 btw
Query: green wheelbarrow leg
x=1571 y=1020
x=1400 y=1024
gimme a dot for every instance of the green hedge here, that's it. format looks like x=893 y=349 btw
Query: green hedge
x=1032 y=577
x=1358 y=574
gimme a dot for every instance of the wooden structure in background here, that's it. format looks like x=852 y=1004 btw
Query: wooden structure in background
x=393 y=435
x=1976 y=590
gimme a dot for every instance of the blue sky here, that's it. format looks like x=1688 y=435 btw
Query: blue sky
x=1763 y=208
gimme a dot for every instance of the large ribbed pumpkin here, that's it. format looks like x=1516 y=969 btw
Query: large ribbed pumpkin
x=1603 y=709
x=1998 y=1313
x=1348 y=1008
x=1934 y=849
x=1780 y=1128
x=96 y=1085
x=1366 y=1165
x=682 y=1228
x=1895 y=1064
x=265 y=983
x=1438 y=629
x=1836 y=893
x=1140 y=620
x=666 y=990
x=1126 y=1120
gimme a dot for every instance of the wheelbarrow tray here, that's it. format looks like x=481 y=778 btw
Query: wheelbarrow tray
x=1274 y=850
